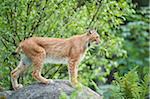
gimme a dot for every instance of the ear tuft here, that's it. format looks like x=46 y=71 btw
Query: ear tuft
x=89 y=32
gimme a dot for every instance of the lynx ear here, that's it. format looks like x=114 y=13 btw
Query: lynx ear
x=89 y=32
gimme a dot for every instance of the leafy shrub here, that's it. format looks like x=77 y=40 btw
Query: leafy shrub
x=129 y=86
x=61 y=18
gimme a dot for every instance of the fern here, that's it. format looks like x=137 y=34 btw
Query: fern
x=130 y=86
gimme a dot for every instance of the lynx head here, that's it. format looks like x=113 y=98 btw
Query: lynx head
x=93 y=36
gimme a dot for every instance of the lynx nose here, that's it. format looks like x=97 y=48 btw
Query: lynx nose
x=97 y=42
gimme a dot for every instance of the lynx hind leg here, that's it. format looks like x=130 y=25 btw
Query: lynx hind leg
x=38 y=61
x=23 y=64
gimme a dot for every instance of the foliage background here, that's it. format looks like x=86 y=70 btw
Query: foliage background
x=109 y=68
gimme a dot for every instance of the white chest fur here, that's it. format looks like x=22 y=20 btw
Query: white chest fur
x=82 y=57
x=56 y=60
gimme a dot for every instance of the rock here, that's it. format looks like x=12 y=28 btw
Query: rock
x=58 y=90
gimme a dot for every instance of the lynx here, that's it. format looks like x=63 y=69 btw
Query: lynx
x=41 y=50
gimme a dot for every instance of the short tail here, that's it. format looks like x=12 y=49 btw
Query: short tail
x=17 y=50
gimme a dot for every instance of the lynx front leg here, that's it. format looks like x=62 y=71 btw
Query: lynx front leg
x=15 y=74
x=73 y=71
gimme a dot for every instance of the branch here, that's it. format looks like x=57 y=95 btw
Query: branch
x=6 y=39
x=51 y=76
x=7 y=17
x=53 y=12
x=29 y=6
x=36 y=24
x=11 y=28
x=48 y=71
x=4 y=44
x=94 y=16
x=9 y=41
x=15 y=22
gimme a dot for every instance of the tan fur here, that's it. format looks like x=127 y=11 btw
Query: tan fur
x=39 y=50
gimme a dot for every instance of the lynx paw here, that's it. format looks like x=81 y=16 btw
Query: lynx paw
x=19 y=86
x=77 y=85
x=49 y=81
